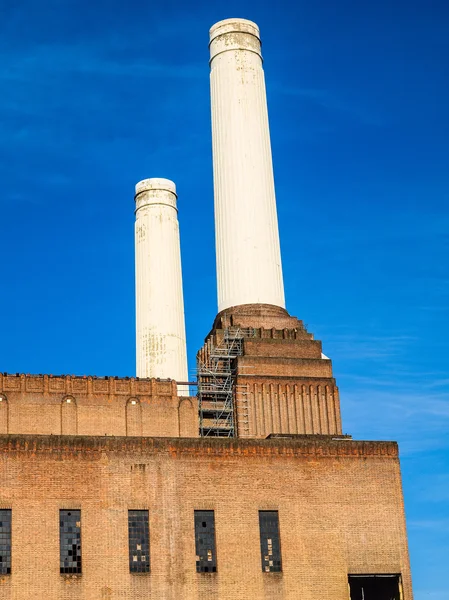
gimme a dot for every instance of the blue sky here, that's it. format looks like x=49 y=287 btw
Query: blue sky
x=96 y=96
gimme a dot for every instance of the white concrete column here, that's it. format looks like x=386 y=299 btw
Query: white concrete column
x=249 y=269
x=160 y=327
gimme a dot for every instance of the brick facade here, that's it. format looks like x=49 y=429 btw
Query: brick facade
x=108 y=445
x=339 y=502
x=42 y=404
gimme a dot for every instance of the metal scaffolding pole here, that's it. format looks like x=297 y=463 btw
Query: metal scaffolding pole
x=216 y=374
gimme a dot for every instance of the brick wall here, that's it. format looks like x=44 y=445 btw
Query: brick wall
x=340 y=511
x=284 y=383
x=42 y=404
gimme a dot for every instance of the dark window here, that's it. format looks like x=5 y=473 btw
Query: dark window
x=5 y=541
x=206 y=555
x=374 y=587
x=70 y=541
x=270 y=546
x=139 y=541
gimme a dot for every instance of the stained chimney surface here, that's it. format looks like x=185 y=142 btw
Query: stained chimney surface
x=249 y=269
x=160 y=325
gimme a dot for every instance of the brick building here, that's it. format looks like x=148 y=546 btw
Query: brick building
x=117 y=488
x=105 y=447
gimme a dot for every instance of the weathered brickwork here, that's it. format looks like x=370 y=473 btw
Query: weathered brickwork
x=288 y=407
x=113 y=445
x=339 y=502
x=42 y=404
x=284 y=383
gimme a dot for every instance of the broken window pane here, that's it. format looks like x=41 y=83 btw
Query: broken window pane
x=139 y=541
x=70 y=541
x=206 y=555
x=270 y=546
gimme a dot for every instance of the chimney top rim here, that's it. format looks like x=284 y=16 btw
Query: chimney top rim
x=234 y=26
x=156 y=184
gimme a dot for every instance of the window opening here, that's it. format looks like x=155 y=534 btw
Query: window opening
x=206 y=555
x=70 y=541
x=139 y=541
x=270 y=546
x=374 y=587
x=5 y=541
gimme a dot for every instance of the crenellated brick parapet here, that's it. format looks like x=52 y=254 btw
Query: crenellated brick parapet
x=89 y=405
x=86 y=384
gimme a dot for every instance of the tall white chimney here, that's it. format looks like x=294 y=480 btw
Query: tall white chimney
x=249 y=269
x=160 y=328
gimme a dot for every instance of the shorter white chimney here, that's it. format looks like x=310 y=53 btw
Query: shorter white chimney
x=160 y=327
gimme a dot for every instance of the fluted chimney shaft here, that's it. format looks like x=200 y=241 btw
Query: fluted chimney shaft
x=160 y=327
x=249 y=269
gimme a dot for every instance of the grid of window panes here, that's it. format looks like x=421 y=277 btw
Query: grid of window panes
x=70 y=541
x=206 y=555
x=5 y=541
x=270 y=546
x=139 y=541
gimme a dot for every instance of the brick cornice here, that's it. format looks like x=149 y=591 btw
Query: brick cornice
x=305 y=446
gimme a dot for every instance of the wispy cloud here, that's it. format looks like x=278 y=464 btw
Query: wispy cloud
x=435 y=489
x=409 y=380
x=365 y=347
x=419 y=420
x=441 y=525
x=434 y=308
x=67 y=103
x=436 y=383
x=70 y=59
x=388 y=391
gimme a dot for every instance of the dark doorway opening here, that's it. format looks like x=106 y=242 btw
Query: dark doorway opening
x=374 y=587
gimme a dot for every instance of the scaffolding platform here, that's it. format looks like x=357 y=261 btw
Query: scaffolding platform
x=216 y=373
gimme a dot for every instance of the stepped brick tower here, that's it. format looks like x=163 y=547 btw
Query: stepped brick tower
x=282 y=383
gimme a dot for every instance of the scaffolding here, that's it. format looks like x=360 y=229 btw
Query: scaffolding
x=216 y=373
